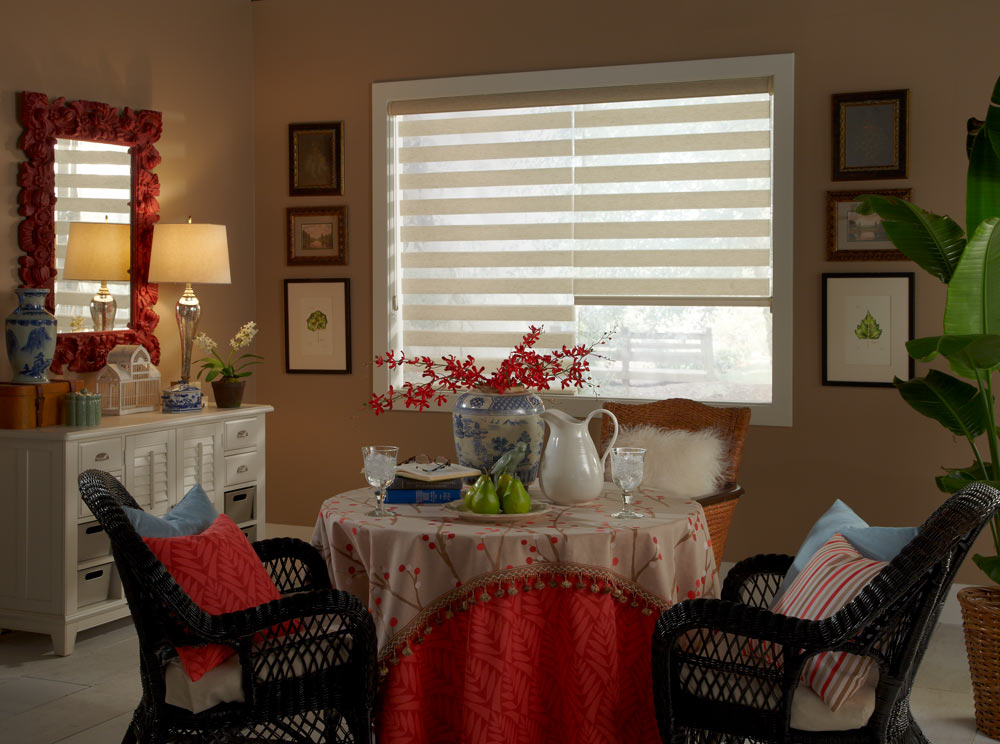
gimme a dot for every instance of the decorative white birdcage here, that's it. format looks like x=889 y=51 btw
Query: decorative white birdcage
x=129 y=383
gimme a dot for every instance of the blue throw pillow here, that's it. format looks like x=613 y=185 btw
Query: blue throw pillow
x=877 y=543
x=192 y=515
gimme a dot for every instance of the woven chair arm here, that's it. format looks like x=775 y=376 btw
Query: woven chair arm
x=293 y=564
x=743 y=620
x=755 y=580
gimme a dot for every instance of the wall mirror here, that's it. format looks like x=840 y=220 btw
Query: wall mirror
x=88 y=162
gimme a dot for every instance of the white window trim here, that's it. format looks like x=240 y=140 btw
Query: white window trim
x=780 y=66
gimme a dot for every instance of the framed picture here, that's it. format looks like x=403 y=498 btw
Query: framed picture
x=867 y=320
x=317 y=236
x=869 y=135
x=316 y=159
x=858 y=237
x=318 y=325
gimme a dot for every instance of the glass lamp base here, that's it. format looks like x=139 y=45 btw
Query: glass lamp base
x=379 y=511
x=627 y=513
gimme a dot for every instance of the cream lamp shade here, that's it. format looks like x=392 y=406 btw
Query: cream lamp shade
x=189 y=253
x=98 y=252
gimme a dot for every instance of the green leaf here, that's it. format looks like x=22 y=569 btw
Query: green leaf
x=212 y=375
x=973 y=304
x=982 y=194
x=990 y=565
x=868 y=329
x=244 y=374
x=956 y=405
x=966 y=353
x=933 y=241
x=957 y=478
x=923 y=349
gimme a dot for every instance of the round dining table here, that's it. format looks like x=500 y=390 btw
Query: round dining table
x=517 y=628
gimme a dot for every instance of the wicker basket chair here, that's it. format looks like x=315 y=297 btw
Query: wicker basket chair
x=730 y=423
x=709 y=684
x=314 y=684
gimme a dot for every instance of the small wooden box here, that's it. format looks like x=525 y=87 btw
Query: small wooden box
x=28 y=406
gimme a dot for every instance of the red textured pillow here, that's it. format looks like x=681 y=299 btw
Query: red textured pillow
x=221 y=573
x=834 y=576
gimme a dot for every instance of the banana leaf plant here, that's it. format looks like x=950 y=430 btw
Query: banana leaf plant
x=971 y=338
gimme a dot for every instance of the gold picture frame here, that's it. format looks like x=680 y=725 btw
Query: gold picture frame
x=870 y=138
x=854 y=237
x=316 y=236
x=316 y=159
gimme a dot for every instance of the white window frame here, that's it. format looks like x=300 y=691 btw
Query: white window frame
x=779 y=66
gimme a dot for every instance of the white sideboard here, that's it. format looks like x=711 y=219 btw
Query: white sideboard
x=56 y=571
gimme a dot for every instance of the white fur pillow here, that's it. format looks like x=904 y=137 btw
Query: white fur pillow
x=689 y=464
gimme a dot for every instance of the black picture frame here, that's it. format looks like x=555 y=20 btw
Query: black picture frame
x=318 y=326
x=854 y=304
x=870 y=135
x=316 y=159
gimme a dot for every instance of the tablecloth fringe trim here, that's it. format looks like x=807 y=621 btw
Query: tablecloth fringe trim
x=510 y=582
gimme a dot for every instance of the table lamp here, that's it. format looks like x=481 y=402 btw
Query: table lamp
x=99 y=252
x=189 y=254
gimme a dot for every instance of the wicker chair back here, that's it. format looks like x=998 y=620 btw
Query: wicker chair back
x=711 y=683
x=730 y=423
x=308 y=659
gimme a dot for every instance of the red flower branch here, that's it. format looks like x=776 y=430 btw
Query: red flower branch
x=569 y=366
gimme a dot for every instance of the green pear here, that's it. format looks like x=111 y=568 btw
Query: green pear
x=516 y=499
x=470 y=494
x=485 y=500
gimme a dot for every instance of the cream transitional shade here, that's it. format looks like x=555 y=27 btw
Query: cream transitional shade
x=194 y=253
x=92 y=184
x=570 y=206
x=98 y=251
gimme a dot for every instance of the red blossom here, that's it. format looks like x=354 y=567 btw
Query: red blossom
x=523 y=367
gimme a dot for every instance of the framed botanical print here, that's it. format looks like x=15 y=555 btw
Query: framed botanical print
x=858 y=237
x=317 y=236
x=870 y=135
x=318 y=326
x=316 y=159
x=867 y=320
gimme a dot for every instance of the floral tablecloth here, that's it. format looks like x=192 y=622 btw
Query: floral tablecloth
x=533 y=630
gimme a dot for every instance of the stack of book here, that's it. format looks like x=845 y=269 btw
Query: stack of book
x=427 y=484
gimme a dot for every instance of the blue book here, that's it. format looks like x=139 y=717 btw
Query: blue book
x=421 y=495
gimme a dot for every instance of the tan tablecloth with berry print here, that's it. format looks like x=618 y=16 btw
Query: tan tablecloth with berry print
x=431 y=580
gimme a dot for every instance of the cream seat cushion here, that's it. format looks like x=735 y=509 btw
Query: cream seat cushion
x=810 y=713
x=224 y=683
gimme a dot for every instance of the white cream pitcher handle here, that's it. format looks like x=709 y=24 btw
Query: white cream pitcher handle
x=614 y=437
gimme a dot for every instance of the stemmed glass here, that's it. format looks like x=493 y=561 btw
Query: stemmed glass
x=380 y=471
x=626 y=472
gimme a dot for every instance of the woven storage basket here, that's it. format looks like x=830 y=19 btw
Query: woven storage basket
x=981 y=621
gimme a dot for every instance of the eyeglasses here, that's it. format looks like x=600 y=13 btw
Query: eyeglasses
x=423 y=460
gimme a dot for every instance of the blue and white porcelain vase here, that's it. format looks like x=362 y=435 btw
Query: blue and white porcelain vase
x=31 y=337
x=486 y=425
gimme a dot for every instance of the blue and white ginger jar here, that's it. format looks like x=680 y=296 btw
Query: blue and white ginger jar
x=486 y=425
x=31 y=337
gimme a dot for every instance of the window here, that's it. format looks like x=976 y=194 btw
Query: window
x=651 y=198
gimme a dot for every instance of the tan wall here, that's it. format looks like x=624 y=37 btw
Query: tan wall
x=189 y=59
x=315 y=60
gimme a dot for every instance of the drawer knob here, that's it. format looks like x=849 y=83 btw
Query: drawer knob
x=102 y=457
x=242 y=469
x=242 y=434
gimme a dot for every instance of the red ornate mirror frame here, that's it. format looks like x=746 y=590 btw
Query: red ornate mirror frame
x=44 y=121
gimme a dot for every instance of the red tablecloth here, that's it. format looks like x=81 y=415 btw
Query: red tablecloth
x=533 y=631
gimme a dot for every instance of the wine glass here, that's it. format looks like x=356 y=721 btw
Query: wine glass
x=626 y=472
x=380 y=471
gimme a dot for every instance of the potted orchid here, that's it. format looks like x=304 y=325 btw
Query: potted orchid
x=231 y=372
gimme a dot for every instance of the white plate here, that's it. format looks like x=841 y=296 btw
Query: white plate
x=462 y=512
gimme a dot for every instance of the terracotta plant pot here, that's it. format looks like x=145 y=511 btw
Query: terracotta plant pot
x=981 y=622
x=228 y=392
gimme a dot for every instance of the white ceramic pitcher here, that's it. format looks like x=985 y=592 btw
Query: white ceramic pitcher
x=571 y=472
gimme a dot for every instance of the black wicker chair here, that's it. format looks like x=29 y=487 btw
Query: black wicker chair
x=710 y=686
x=314 y=684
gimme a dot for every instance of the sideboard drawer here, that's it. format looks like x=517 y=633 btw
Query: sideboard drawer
x=242 y=433
x=241 y=468
x=102 y=454
x=83 y=511
x=91 y=542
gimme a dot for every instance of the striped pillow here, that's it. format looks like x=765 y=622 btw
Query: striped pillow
x=834 y=576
